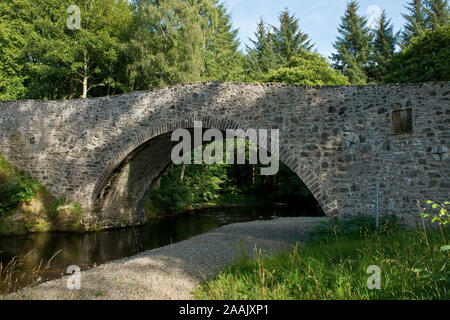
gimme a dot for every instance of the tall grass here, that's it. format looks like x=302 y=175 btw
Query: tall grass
x=14 y=275
x=412 y=265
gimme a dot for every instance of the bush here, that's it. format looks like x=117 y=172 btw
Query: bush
x=172 y=196
x=425 y=59
x=13 y=192
x=307 y=69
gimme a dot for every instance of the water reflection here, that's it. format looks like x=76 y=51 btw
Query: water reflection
x=86 y=250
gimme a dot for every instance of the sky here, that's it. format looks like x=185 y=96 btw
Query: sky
x=318 y=18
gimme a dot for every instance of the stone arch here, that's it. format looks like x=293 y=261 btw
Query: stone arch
x=306 y=174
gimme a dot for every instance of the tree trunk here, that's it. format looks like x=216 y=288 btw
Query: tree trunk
x=85 y=78
x=183 y=169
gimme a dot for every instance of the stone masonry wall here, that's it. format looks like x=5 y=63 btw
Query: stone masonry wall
x=338 y=140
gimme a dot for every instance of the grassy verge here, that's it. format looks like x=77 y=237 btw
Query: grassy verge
x=334 y=265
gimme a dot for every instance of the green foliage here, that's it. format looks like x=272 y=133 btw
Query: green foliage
x=74 y=63
x=424 y=15
x=54 y=204
x=14 y=29
x=15 y=191
x=383 y=47
x=425 y=59
x=437 y=13
x=309 y=69
x=354 y=225
x=201 y=184
x=353 y=46
x=6 y=170
x=262 y=57
x=224 y=184
x=223 y=61
x=77 y=209
x=275 y=47
x=15 y=187
x=440 y=214
x=412 y=267
x=182 y=41
x=288 y=39
x=415 y=22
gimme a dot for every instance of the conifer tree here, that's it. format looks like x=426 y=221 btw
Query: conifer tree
x=223 y=61
x=437 y=13
x=353 y=46
x=415 y=21
x=288 y=39
x=261 y=57
x=383 y=46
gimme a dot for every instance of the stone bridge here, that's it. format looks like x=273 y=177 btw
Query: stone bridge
x=106 y=153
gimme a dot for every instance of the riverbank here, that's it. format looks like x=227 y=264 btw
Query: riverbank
x=342 y=263
x=174 y=271
x=220 y=205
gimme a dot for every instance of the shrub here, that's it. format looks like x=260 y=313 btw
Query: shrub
x=425 y=59
x=20 y=189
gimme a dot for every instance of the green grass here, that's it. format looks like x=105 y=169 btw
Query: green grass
x=411 y=262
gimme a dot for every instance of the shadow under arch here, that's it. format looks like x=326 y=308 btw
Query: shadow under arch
x=120 y=191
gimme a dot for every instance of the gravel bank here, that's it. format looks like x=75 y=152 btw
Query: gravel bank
x=174 y=271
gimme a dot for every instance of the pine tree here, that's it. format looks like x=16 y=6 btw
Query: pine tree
x=437 y=13
x=353 y=46
x=415 y=21
x=383 y=46
x=261 y=57
x=289 y=40
x=223 y=60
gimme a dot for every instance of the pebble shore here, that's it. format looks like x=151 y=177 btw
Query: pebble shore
x=174 y=271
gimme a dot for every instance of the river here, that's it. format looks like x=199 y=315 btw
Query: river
x=87 y=250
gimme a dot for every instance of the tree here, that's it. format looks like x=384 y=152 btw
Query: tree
x=288 y=39
x=353 y=46
x=309 y=69
x=425 y=59
x=437 y=12
x=223 y=60
x=383 y=45
x=69 y=62
x=415 y=22
x=15 y=27
x=262 y=57
x=166 y=45
x=181 y=41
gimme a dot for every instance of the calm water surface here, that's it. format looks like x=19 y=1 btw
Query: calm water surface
x=87 y=250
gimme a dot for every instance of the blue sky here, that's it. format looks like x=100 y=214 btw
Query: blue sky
x=318 y=18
